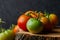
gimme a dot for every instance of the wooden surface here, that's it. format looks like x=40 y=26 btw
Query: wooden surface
x=45 y=35
x=54 y=35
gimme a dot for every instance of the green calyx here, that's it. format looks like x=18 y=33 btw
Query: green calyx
x=46 y=14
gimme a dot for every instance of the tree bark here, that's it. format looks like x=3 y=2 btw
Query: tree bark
x=22 y=35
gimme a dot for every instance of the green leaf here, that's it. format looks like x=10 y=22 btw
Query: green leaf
x=46 y=14
x=2 y=29
x=12 y=26
x=2 y=21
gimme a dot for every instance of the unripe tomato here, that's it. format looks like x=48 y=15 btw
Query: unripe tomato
x=34 y=25
x=22 y=20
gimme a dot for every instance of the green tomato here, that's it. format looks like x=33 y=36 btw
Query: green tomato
x=2 y=36
x=34 y=25
x=7 y=35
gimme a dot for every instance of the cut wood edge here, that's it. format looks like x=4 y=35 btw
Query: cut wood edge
x=44 y=35
x=57 y=30
x=56 y=34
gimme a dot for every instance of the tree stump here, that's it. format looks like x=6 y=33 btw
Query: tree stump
x=22 y=35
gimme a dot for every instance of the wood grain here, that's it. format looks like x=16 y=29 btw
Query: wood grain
x=54 y=35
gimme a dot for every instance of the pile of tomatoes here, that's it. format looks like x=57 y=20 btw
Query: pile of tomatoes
x=36 y=22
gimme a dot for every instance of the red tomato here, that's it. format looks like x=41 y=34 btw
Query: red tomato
x=21 y=22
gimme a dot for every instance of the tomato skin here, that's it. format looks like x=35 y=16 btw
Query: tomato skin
x=16 y=29
x=22 y=20
x=34 y=25
x=48 y=27
x=46 y=23
x=7 y=35
x=53 y=18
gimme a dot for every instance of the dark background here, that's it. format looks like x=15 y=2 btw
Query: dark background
x=11 y=9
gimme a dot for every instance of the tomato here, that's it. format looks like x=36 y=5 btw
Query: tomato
x=22 y=20
x=2 y=36
x=46 y=23
x=7 y=35
x=53 y=19
x=34 y=25
x=48 y=27
x=16 y=29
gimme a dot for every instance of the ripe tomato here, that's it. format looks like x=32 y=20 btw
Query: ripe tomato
x=53 y=18
x=48 y=27
x=16 y=29
x=22 y=20
x=46 y=23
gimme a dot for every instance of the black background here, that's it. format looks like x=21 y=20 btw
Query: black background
x=11 y=9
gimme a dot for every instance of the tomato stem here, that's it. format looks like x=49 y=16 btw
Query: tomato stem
x=46 y=14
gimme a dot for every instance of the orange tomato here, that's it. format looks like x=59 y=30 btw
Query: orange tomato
x=16 y=29
x=53 y=18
